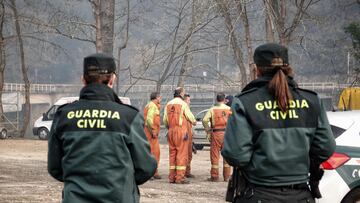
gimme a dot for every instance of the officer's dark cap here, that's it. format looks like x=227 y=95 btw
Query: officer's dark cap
x=99 y=63
x=271 y=54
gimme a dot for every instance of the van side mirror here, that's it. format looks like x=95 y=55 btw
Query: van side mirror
x=44 y=117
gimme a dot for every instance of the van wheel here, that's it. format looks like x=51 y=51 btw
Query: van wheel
x=352 y=197
x=43 y=133
x=3 y=134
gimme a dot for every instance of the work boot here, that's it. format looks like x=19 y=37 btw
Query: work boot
x=190 y=175
x=157 y=177
x=212 y=179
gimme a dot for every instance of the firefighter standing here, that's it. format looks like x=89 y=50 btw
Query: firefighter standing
x=176 y=116
x=217 y=116
x=190 y=147
x=276 y=131
x=97 y=145
x=152 y=126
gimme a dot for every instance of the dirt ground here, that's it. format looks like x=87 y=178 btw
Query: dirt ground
x=24 y=177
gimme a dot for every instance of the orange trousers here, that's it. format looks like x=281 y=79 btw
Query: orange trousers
x=217 y=143
x=178 y=153
x=188 y=166
x=154 y=148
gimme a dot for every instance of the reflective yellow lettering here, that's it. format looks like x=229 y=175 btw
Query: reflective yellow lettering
x=92 y=123
x=283 y=115
x=95 y=113
x=87 y=114
x=259 y=106
x=294 y=114
x=273 y=115
x=304 y=104
x=80 y=123
x=102 y=124
x=268 y=104
x=292 y=104
x=70 y=115
x=109 y=114
x=116 y=115
x=103 y=114
x=78 y=114
x=275 y=105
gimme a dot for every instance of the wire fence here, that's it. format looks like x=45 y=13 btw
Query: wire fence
x=68 y=88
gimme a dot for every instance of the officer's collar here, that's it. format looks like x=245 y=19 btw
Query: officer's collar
x=98 y=91
x=264 y=81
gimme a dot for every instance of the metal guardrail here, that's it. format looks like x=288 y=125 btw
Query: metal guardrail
x=68 y=88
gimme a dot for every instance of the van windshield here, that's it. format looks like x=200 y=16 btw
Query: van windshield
x=51 y=113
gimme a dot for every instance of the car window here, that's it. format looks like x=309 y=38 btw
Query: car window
x=337 y=131
x=200 y=115
x=51 y=112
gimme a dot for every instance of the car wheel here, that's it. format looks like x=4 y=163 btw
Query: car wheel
x=352 y=197
x=199 y=146
x=43 y=133
x=3 y=134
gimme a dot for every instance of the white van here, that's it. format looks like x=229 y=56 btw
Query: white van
x=43 y=124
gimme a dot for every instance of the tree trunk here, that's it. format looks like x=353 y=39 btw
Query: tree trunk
x=107 y=9
x=243 y=14
x=104 y=21
x=123 y=46
x=185 y=63
x=98 y=40
x=233 y=40
x=23 y=70
x=158 y=85
x=282 y=33
x=269 y=22
x=2 y=58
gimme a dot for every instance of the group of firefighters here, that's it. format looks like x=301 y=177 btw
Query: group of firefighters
x=275 y=126
x=179 y=119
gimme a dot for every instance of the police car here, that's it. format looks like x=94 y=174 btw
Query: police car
x=341 y=180
x=43 y=124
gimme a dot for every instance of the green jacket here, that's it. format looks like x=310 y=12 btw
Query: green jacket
x=271 y=147
x=98 y=148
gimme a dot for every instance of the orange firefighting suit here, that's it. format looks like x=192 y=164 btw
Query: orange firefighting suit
x=217 y=116
x=152 y=129
x=176 y=116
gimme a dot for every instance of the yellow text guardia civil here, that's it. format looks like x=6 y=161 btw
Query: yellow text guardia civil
x=277 y=114
x=92 y=118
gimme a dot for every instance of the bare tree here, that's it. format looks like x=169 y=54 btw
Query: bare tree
x=269 y=21
x=175 y=31
x=238 y=54
x=123 y=44
x=2 y=56
x=104 y=23
x=187 y=56
x=278 y=10
x=241 y=8
x=23 y=68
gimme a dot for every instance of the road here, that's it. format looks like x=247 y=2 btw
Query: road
x=24 y=177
